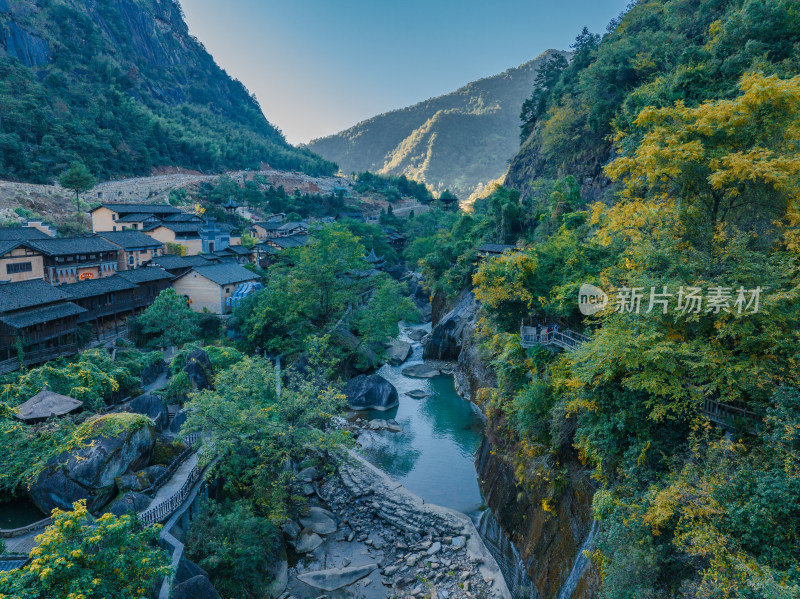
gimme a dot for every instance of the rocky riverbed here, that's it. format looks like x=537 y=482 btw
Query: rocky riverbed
x=371 y=538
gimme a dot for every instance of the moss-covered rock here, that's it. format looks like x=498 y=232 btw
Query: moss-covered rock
x=102 y=449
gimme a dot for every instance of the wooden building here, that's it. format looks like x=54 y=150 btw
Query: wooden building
x=208 y=287
x=121 y=217
x=135 y=248
x=72 y=259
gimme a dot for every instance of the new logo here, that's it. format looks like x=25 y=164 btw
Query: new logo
x=591 y=299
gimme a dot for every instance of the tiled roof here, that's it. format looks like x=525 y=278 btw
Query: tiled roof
x=65 y=246
x=181 y=227
x=131 y=240
x=268 y=225
x=145 y=274
x=292 y=241
x=7 y=246
x=170 y=261
x=135 y=217
x=183 y=217
x=239 y=249
x=20 y=320
x=25 y=294
x=21 y=234
x=293 y=225
x=224 y=274
x=93 y=287
x=46 y=404
x=130 y=208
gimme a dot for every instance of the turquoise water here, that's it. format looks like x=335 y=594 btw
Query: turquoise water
x=434 y=457
x=19 y=513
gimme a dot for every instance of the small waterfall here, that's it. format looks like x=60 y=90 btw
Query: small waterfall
x=506 y=556
x=578 y=567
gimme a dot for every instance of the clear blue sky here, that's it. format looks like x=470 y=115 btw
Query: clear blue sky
x=320 y=66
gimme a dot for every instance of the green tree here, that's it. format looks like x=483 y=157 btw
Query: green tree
x=110 y=558
x=78 y=179
x=168 y=321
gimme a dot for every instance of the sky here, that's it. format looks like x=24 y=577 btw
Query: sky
x=320 y=66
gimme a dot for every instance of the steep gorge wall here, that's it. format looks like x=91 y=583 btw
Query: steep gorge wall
x=550 y=540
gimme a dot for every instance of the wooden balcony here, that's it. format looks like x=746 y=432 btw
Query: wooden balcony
x=38 y=357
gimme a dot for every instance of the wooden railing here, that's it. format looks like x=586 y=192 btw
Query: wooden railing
x=566 y=339
x=725 y=414
x=164 y=510
x=38 y=357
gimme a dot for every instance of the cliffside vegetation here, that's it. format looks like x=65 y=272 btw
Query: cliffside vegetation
x=123 y=88
x=703 y=195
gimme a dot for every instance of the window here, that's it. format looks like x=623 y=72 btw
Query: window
x=19 y=267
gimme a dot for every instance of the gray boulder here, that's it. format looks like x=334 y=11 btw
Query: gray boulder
x=319 y=520
x=151 y=406
x=398 y=352
x=186 y=570
x=198 y=369
x=141 y=480
x=417 y=334
x=336 y=578
x=421 y=371
x=197 y=587
x=118 y=443
x=307 y=541
x=448 y=336
x=417 y=394
x=127 y=503
x=370 y=392
x=178 y=420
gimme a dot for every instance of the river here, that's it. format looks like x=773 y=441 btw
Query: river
x=434 y=456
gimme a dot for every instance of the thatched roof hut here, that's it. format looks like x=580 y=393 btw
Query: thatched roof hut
x=47 y=404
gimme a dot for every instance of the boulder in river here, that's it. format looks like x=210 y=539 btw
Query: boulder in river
x=417 y=334
x=421 y=371
x=319 y=520
x=105 y=447
x=336 y=578
x=448 y=336
x=371 y=392
x=151 y=406
x=398 y=352
x=307 y=541
x=417 y=394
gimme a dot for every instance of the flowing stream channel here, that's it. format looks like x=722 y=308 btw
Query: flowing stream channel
x=434 y=456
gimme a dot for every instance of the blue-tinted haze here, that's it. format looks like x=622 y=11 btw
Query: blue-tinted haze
x=320 y=66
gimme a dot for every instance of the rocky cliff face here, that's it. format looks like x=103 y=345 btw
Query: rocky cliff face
x=549 y=541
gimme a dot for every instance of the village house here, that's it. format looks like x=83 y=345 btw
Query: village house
x=209 y=287
x=18 y=260
x=121 y=217
x=197 y=237
x=177 y=265
x=72 y=259
x=38 y=322
x=108 y=302
x=135 y=248
x=266 y=229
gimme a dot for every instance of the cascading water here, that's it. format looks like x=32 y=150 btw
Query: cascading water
x=506 y=556
x=579 y=565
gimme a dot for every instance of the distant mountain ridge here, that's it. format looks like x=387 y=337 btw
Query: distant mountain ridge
x=459 y=141
x=122 y=86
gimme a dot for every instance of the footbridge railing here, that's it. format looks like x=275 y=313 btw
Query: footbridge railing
x=566 y=339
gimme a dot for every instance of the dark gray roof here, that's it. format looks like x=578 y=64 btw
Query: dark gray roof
x=135 y=217
x=25 y=294
x=28 y=318
x=181 y=227
x=131 y=208
x=131 y=240
x=240 y=250
x=65 y=246
x=46 y=404
x=293 y=225
x=171 y=261
x=93 y=287
x=224 y=274
x=292 y=241
x=21 y=234
x=145 y=274
x=270 y=225
x=7 y=246
x=183 y=217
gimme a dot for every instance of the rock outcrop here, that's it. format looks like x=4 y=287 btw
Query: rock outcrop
x=199 y=370
x=451 y=333
x=371 y=392
x=198 y=587
x=130 y=502
x=109 y=446
x=398 y=352
x=151 y=406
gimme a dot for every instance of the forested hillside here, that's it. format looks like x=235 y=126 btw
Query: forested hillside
x=123 y=87
x=660 y=53
x=682 y=409
x=458 y=141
